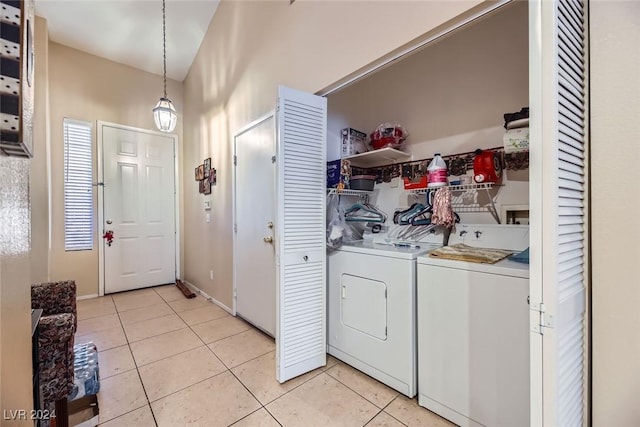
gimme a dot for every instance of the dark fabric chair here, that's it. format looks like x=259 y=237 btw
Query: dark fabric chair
x=56 y=330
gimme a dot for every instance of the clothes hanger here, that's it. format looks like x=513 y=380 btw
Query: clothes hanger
x=374 y=208
x=364 y=213
x=404 y=217
x=422 y=217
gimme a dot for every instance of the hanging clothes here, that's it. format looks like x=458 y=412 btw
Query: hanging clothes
x=442 y=210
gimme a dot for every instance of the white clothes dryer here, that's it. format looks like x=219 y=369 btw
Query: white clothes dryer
x=372 y=310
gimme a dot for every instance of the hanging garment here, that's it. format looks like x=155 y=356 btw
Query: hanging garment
x=442 y=210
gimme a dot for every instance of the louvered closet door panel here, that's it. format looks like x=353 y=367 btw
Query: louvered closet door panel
x=300 y=242
x=561 y=269
x=570 y=274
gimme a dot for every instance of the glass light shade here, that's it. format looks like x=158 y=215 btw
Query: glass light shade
x=165 y=115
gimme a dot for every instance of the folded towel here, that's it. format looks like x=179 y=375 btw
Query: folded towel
x=520 y=123
x=462 y=252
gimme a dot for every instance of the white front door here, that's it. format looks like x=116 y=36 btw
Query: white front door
x=254 y=254
x=138 y=170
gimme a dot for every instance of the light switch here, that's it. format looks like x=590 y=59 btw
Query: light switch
x=207 y=217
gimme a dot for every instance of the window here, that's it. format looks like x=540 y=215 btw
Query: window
x=78 y=188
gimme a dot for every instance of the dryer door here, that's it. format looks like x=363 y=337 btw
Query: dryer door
x=363 y=305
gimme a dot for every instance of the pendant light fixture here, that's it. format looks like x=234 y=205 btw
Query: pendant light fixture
x=164 y=113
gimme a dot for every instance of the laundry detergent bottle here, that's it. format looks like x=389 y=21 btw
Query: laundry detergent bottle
x=437 y=172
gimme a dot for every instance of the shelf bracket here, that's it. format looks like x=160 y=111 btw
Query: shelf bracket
x=493 y=211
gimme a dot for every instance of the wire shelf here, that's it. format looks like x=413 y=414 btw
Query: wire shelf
x=464 y=198
x=461 y=187
x=347 y=192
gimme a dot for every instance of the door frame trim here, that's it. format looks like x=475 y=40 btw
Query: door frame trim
x=100 y=194
x=234 y=189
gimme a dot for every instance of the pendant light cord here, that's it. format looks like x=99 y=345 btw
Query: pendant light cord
x=164 y=48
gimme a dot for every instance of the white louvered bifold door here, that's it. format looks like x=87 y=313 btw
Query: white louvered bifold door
x=558 y=174
x=300 y=238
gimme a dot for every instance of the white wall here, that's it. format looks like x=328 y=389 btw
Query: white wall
x=615 y=234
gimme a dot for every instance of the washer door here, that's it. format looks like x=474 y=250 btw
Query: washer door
x=363 y=305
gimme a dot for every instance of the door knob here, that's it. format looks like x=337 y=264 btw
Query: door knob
x=109 y=221
x=268 y=239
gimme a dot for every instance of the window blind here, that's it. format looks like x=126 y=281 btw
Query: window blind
x=78 y=189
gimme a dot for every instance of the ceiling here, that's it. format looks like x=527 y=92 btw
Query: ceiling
x=130 y=31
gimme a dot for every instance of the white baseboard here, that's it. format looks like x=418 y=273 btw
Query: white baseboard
x=80 y=298
x=209 y=298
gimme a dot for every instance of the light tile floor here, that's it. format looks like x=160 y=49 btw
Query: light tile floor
x=170 y=361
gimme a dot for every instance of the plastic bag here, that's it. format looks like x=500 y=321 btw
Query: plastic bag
x=337 y=228
x=388 y=135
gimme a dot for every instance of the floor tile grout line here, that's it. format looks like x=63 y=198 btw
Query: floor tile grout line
x=272 y=415
x=173 y=355
x=220 y=339
x=100 y=422
x=286 y=392
x=203 y=343
x=236 y=366
x=321 y=370
x=151 y=318
x=187 y=327
x=186 y=387
x=167 y=357
x=227 y=368
x=157 y=335
x=294 y=388
x=205 y=321
x=146 y=395
x=372 y=418
x=389 y=404
x=249 y=391
x=246 y=416
x=360 y=394
x=138 y=372
x=137 y=368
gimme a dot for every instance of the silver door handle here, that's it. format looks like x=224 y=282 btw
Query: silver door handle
x=109 y=221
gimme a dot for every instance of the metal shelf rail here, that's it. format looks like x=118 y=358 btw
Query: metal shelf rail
x=465 y=198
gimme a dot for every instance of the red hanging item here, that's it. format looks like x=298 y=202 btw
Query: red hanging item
x=108 y=236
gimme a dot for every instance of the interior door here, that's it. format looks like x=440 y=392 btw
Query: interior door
x=301 y=339
x=559 y=222
x=138 y=207
x=254 y=253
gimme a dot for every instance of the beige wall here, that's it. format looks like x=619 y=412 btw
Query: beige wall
x=461 y=84
x=39 y=176
x=249 y=49
x=86 y=87
x=615 y=130
x=23 y=215
x=15 y=297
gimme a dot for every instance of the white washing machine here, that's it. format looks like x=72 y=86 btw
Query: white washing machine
x=371 y=306
x=473 y=335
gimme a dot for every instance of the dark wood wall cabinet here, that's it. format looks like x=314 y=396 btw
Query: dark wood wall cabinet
x=16 y=77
